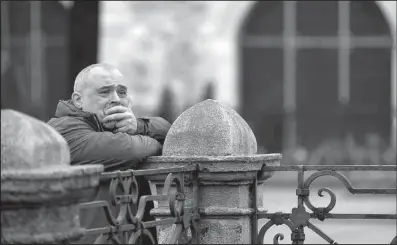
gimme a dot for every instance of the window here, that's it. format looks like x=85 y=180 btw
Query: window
x=335 y=77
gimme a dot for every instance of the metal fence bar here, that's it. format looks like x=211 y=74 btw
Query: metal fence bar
x=361 y=216
x=265 y=215
x=255 y=214
x=320 y=233
x=332 y=167
x=148 y=172
x=165 y=221
x=110 y=229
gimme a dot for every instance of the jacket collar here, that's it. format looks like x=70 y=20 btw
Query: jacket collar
x=66 y=108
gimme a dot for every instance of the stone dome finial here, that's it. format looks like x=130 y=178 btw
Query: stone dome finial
x=210 y=129
x=27 y=143
x=40 y=191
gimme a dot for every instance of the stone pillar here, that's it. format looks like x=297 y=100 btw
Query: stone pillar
x=222 y=145
x=40 y=191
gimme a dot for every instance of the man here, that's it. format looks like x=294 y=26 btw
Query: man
x=100 y=128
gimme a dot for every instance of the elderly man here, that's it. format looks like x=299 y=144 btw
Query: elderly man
x=100 y=128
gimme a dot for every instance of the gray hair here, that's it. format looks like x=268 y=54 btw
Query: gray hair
x=82 y=77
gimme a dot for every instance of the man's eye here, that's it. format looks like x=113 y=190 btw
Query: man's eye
x=104 y=92
x=123 y=92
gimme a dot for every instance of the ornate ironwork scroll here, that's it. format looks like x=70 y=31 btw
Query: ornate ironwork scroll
x=299 y=218
x=128 y=226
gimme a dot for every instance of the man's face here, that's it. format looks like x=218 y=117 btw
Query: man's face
x=103 y=90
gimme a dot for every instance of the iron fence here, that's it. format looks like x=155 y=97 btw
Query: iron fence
x=300 y=218
x=129 y=228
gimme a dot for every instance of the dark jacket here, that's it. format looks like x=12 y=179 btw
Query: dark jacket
x=89 y=143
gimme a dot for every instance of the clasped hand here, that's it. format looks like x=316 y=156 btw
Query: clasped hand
x=121 y=118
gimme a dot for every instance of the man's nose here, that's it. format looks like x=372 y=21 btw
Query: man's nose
x=115 y=97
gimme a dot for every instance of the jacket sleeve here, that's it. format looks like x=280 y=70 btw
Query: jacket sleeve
x=112 y=150
x=154 y=127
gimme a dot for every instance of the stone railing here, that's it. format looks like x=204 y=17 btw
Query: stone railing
x=40 y=191
x=205 y=189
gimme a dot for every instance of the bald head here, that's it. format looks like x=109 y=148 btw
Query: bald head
x=93 y=72
x=98 y=87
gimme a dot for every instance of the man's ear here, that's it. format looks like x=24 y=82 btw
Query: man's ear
x=77 y=100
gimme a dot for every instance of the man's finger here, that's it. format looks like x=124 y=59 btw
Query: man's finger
x=123 y=129
x=116 y=117
x=121 y=123
x=116 y=109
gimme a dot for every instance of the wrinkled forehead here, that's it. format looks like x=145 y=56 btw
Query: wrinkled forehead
x=100 y=77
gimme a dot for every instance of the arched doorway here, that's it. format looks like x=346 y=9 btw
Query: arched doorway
x=315 y=71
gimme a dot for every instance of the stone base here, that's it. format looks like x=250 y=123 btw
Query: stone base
x=26 y=226
x=215 y=230
x=220 y=230
x=223 y=194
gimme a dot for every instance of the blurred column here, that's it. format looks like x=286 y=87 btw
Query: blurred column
x=389 y=10
x=344 y=52
x=5 y=37
x=83 y=36
x=36 y=58
x=344 y=44
x=289 y=62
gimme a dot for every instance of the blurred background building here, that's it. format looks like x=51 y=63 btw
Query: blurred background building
x=315 y=80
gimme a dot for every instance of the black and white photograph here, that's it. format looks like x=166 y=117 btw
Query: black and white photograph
x=198 y=122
